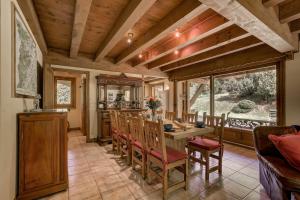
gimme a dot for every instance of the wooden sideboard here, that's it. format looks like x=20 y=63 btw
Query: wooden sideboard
x=42 y=153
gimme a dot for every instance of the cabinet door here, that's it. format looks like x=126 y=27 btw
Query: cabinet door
x=39 y=151
x=106 y=128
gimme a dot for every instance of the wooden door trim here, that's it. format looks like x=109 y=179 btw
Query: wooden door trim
x=87 y=98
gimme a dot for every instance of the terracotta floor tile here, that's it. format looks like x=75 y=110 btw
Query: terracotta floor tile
x=84 y=191
x=257 y=196
x=244 y=180
x=118 y=194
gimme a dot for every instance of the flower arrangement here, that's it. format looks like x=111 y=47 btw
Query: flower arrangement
x=153 y=104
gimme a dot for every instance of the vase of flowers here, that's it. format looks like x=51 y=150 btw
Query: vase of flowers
x=153 y=104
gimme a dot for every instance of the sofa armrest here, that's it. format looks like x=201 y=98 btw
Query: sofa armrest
x=263 y=145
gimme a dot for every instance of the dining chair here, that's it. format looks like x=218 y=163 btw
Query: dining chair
x=164 y=158
x=190 y=118
x=170 y=116
x=208 y=147
x=138 y=146
x=124 y=136
x=114 y=130
x=159 y=114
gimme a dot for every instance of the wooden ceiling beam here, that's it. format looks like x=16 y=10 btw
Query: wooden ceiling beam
x=176 y=18
x=82 y=11
x=213 y=41
x=271 y=3
x=134 y=10
x=233 y=47
x=205 y=28
x=243 y=60
x=29 y=12
x=58 y=57
x=295 y=26
x=289 y=11
x=258 y=20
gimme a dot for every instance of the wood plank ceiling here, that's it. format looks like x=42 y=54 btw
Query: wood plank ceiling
x=167 y=36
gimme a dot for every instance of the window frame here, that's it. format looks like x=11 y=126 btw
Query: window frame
x=280 y=84
x=73 y=92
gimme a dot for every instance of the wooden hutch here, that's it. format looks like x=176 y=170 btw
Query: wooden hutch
x=116 y=92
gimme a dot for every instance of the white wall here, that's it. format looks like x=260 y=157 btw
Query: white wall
x=293 y=90
x=10 y=106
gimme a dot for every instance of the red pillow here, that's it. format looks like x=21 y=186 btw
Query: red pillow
x=289 y=147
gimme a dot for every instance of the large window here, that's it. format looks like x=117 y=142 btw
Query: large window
x=248 y=98
x=64 y=92
x=199 y=95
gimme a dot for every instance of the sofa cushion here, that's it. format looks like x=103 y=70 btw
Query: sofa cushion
x=289 y=147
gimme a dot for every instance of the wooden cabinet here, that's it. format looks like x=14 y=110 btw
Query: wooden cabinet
x=104 y=128
x=42 y=154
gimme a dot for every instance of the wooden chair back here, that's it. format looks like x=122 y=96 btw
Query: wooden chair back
x=170 y=116
x=190 y=118
x=113 y=119
x=136 y=129
x=123 y=123
x=218 y=122
x=155 y=138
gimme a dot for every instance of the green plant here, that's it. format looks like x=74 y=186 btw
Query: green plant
x=243 y=106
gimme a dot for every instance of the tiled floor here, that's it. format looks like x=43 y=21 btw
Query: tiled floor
x=96 y=173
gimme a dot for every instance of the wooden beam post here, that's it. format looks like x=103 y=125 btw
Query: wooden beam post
x=208 y=26
x=223 y=37
x=233 y=47
x=242 y=60
x=82 y=11
x=177 y=17
x=258 y=20
x=289 y=11
x=271 y=3
x=29 y=12
x=129 y=16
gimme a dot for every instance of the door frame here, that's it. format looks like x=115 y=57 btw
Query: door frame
x=87 y=97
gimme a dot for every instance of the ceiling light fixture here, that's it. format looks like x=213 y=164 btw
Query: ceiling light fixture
x=140 y=55
x=129 y=38
x=177 y=33
x=176 y=52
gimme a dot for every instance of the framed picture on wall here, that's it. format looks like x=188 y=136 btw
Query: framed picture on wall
x=24 y=58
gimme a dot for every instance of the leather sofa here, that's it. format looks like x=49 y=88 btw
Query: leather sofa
x=278 y=178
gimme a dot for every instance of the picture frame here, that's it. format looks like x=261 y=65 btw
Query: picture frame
x=24 y=58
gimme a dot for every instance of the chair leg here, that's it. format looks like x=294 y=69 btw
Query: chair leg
x=220 y=161
x=186 y=174
x=132 y=158
x=165 y=183
x=206 y=166
x=189 y=156
x=148 y=171
x=143 y=165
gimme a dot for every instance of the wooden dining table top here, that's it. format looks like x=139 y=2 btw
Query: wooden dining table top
x=189 y=131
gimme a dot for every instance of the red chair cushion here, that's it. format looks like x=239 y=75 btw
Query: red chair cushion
x=289 y=147
x=172 y=155
x=204 y=143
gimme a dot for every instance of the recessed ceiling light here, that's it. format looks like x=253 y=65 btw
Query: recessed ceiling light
x=140 y=55
x=176 y=52
x=129 y=38
x=177 y=33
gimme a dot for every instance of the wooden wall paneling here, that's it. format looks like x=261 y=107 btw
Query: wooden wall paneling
x=233 y=47
x=48 y=87
x=289 y=11
x=246 y=59
x=258 y=20
x=210 y=25
x=280 y=72
x=129 y=16
x=223 y=37
x=82 y=11
x=29 y=12
x=177 y=17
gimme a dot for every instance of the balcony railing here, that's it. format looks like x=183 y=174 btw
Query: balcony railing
x=249 y=124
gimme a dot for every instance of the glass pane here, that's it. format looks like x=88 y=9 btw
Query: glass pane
x=63 y=92
x=158 y=90
x=248 y=99
x=199 y=96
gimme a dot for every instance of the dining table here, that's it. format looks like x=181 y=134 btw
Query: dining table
x=177 y=138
